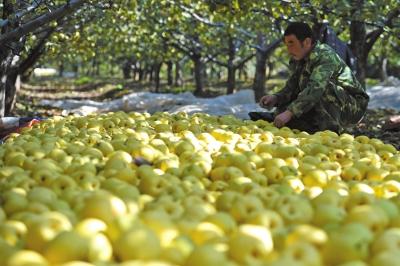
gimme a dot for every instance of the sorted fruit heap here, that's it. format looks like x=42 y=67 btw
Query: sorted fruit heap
x=172 y=189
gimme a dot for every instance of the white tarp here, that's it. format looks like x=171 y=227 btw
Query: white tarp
x=384 y=95
x=44 y=72
x=238 y=104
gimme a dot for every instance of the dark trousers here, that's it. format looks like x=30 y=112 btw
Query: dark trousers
x=320 y=117
x=336 y=109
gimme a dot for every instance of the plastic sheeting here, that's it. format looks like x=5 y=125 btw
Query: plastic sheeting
x=238 y=104
x=384 y=95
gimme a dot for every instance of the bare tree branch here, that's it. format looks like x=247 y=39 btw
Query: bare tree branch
x=272 y=45
x=216 y=61
x=374 y=35
x=7 y=11
x=40 y=21
x=36 y=51
x=35 y=4
x=20 y=14
x=181 y=47
x=265 y=49
x=246 y=33
x=243 y=61
x=196 y=16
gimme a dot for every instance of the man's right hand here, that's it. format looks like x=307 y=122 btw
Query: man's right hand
x=268 y=101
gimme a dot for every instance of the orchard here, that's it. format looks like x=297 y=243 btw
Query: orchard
x=113 y=175
x=173 y=189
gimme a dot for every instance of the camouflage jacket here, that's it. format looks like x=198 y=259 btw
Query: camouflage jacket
x=312 y=77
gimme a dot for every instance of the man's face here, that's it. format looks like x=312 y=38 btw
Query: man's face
x=296 y=49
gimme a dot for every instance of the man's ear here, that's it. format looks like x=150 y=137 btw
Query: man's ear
x=307 y=42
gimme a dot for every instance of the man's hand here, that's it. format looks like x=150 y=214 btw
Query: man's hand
x=283 y=118
x=268 y=101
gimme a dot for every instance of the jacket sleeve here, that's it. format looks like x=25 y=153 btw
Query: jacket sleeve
x=289 y=91
x=322 y=70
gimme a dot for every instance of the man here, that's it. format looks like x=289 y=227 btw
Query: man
x=321 y=93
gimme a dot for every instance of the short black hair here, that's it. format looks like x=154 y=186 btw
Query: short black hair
x=301 y=30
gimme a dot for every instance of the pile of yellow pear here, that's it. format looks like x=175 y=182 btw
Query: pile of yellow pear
x=172 y=189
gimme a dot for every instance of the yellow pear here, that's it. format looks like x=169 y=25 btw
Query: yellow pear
x=251 y=244
x=66 y=246
x=27 y=258
x=104 y=206
x=206 y=255
x=138 y=243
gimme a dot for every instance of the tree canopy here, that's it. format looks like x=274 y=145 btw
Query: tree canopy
x=205 y=36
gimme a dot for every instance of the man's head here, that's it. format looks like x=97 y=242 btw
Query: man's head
x=299 y=39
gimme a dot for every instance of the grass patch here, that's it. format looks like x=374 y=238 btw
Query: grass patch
x=371 y=82
x=83 y=80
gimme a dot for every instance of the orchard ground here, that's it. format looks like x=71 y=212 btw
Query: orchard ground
x=384 y=98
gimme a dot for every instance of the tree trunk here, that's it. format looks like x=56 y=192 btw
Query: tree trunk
x=157 y=70
x=6 y=59
x=384 y=74
x=2 y=93
x=2 y=96
x=75 y=69
x=137 y=70
x=198 y=74
x=260 y=75
x=97 y=69
x=94 y=64
x=231 y=82
x=178 y=79
x=358 y=38
x=262 y=56
x=363 y=42
x=150 y=72
x=260 y=71
x=141 y=74
x=126 y=69
x=6 y=56
x=169 y=73
x=231 y=68
x=61 y=69
x=205 y=76
x=134 y=71
x=12 y=87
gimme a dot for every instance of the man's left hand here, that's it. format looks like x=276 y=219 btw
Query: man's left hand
x=283 y=118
